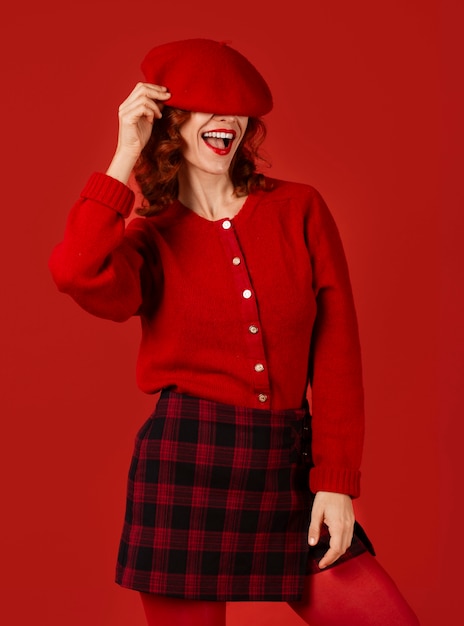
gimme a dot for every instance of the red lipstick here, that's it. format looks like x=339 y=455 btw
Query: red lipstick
x=219 y=140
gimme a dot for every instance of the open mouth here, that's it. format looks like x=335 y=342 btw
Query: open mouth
x=220 y=141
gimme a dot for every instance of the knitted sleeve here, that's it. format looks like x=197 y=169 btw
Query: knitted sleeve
x=335 y=363
x=101 y=263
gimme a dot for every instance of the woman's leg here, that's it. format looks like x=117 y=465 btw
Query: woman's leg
x=358 y=592
x=162 y=611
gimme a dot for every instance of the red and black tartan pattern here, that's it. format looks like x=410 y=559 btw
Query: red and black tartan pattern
x=218 y=504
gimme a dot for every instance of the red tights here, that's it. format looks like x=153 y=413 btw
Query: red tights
x=356 y=593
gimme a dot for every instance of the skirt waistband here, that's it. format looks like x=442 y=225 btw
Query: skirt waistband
x=204 y=409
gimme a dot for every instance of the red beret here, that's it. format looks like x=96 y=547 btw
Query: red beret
x=209 y=77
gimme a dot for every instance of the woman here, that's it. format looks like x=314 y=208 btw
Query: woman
x=243 y=292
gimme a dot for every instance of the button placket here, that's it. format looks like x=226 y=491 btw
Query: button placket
x=250 y=314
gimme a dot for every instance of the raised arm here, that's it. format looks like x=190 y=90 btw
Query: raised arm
x=100 y=263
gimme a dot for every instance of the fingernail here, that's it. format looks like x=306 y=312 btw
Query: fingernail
x=312 y=541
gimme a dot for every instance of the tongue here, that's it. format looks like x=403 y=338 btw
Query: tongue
x=216 y=142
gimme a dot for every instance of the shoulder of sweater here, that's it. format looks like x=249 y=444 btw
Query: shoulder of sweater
x=300 y=198
x=159 y=221
x=279 y=189
x=305 y=201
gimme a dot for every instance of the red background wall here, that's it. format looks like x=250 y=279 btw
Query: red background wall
x=368 y=109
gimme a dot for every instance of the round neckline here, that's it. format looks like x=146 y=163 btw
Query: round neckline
x=250 y=202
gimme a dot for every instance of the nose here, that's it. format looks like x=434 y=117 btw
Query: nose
x=223 y=117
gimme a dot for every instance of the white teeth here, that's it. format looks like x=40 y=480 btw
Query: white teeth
x=216 y=135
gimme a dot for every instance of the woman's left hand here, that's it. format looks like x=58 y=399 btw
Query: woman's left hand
x=336 y=511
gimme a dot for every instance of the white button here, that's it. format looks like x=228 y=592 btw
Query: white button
x=246 y=294
x=253 y=329
x=259 y=367
x=236 y=260
x=226 y=224
x=262 y=397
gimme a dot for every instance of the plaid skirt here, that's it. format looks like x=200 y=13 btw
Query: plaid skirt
x=218 y=504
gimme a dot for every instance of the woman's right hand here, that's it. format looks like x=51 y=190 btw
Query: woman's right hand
x=137 y=115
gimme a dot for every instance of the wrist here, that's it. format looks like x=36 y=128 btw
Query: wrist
x=121 y=166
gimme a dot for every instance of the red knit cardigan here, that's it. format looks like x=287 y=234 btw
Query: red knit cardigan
x=256 y=310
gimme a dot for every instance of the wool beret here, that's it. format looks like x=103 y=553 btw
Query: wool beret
x=208 y=76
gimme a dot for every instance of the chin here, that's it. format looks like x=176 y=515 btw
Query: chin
x=217 y=168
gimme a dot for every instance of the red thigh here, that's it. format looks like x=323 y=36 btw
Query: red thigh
x=162 y=611
x=358 y=592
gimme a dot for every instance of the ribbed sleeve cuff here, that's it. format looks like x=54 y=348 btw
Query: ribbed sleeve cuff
x=338 y=480
x=110 y=192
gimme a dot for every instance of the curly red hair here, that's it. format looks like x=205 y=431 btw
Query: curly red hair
x=159 y=163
